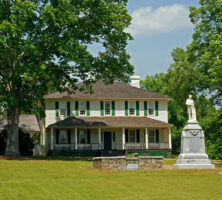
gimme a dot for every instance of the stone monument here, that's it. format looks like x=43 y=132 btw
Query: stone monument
x=193 y=153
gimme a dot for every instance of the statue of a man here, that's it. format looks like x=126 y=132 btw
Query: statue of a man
x=191 y=109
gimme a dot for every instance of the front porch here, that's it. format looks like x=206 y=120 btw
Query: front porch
x=79 y=139
x=108 y=134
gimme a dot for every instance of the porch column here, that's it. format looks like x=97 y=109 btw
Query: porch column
x=123 y=138
x=146 y=138
x=170 y=142
x=76 y=145
x=99 y=138
x=51 y=145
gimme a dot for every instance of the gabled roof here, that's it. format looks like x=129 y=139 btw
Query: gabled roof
x=27 y=123
x=112 y=121
x=116 y=90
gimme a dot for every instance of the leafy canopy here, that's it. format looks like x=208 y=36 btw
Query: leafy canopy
x=206 y=47
x=44 y=46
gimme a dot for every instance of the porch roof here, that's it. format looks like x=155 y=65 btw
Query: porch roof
x=112 y=121
x=27 y=123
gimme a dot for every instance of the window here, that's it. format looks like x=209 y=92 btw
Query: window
x=84 y=137
x=132 y=134
x=82 y=108
x=131 y=108
x=107 y=108
x=151 y=136
x=62 y=108
x=151 y=108
x=63 y=139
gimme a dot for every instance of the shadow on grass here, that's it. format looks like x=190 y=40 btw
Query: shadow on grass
x=52 y=158
x=62 y=158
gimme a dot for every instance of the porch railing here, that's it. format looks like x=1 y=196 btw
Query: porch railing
x=135 y=146
x=69 y=147
x=63 y=147
x=91 y=146
x=161 y=145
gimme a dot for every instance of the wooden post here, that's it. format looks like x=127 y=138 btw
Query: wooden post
x=170 y=141
x=146 y=138
x=76 y=143
x=51 y=145
x=99 y=138
x=123 y=138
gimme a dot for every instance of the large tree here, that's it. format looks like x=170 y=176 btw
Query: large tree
x=43 y=47
x=206 y=48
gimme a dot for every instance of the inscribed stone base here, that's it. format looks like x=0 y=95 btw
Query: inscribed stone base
x=193 y=154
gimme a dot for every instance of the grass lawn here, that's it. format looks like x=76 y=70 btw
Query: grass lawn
x=75 y=179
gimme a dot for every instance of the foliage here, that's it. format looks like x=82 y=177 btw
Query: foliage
x=206 y=47
x=44 y=47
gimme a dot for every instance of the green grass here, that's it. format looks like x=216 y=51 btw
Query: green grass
x=76 y=179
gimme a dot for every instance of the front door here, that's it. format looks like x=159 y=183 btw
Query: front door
x=107 y=141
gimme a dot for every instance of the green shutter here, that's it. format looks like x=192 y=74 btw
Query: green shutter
x=113 y=108
x=137 y=108
x=156 y=108
x=101 y=108
x=68 y=108
x=88 y=108
x=126 y=108
x=126 y=136
x=145 y=108
x=137 y=135
x=157 y=136
x=57 y=108
x=77 y=108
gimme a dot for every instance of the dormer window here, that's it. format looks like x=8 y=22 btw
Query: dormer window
x=62 y=108
x=82 y=108
x=151 y=108
x=107 y=107
x=132 y=107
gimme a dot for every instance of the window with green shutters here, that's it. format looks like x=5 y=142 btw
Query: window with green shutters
x=156 y=108
x=77 y=108
x=68 y=108
x=113 y=108
x=145 y=108
x=101 y=108
x=57 y=108
x=88 y=108
x=137 y=108
x=126 y=108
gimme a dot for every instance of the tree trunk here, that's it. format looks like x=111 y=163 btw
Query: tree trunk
x=12 y=145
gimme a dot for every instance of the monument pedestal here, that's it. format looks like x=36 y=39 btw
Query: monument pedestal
x=193 y=154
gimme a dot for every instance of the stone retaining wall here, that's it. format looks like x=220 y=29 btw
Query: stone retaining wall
x=123 y=163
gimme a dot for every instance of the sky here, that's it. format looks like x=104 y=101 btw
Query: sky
x=158 y=26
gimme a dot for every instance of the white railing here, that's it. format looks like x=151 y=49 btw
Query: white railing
x=62 y=147
x=161 y=145
x=135 y=146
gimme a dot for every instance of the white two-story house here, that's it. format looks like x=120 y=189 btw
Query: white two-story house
x=115 y=118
